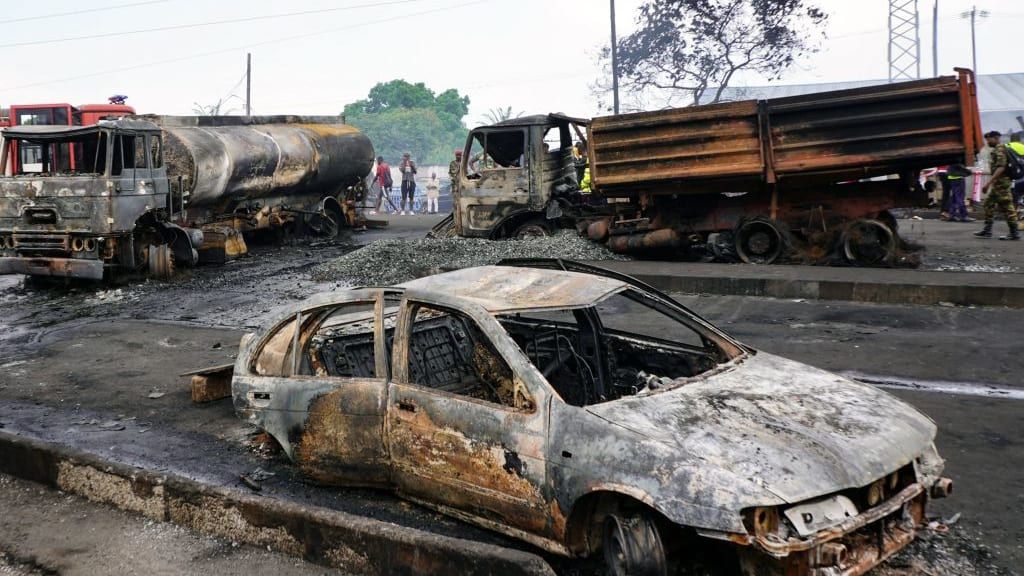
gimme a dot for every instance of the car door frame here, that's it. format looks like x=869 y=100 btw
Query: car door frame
x=505 y=486
x=283 y=406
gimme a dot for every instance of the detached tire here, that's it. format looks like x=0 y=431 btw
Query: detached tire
x=632 y=546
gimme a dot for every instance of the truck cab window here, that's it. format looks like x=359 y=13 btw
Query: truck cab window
x=141 y=153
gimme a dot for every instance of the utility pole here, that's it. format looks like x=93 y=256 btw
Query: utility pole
x=248 y=83
x=935 y=39
x=974 y=14
x=615 y=65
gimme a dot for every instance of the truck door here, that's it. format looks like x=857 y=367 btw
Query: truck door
x=495 y=181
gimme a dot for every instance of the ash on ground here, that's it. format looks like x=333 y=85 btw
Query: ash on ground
x=935 y=553
x=394 y=261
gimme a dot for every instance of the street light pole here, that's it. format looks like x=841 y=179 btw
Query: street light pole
x=974 y=43
x=974 y=15
x=615 y=64
x=935 y=40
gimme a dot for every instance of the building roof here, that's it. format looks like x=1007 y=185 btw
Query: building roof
x=501 y=289
x=1000 y=96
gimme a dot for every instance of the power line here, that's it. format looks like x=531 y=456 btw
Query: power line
x=236 y=48
x=203 y=24
x=83 y=11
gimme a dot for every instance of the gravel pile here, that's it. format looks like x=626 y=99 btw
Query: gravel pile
x=388 y=262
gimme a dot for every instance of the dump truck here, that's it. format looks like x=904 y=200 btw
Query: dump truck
x=811 y=176
x=149 y=193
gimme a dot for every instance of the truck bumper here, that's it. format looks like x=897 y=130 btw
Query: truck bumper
x=55 y=267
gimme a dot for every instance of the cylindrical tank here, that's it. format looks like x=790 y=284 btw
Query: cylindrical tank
x=224 y=159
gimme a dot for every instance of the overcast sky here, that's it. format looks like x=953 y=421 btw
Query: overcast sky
x=533 y=55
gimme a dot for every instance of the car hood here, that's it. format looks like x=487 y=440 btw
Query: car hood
x=797 y=431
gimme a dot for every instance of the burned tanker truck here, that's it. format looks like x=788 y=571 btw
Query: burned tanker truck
x=148 y=193
x=805 y=178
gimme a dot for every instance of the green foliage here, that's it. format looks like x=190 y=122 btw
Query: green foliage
x=401 y=117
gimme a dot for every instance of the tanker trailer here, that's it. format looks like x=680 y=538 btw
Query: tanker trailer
x=151 y=192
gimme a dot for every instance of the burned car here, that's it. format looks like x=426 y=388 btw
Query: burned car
x=587 y=413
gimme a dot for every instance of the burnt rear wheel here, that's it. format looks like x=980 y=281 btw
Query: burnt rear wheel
x=869 y=243
x=632 y=546
x=759 y=241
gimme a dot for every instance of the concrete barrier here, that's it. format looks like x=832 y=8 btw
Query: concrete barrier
x=348 y=542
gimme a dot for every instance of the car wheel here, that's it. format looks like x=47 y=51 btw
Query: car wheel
x=632 y=546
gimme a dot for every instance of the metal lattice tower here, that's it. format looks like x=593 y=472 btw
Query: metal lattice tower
x=904 y=41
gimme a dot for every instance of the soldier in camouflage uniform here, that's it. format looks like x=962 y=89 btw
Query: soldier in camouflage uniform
x=999 y=191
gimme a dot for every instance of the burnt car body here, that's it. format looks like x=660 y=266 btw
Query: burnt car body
x=585 y=411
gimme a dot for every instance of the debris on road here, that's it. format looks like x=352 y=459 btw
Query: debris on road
x=395 y=261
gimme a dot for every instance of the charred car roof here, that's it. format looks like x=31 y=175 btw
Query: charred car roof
x=501 y=289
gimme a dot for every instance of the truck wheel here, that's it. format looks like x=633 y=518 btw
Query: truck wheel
x=534 y=228
x=759 y=241
x=632 y=546
x=868 y=243
x=161 y=261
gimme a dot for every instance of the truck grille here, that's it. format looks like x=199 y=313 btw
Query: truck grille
x=41 y=243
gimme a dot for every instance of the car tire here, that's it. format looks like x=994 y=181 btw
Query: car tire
x=632 y=546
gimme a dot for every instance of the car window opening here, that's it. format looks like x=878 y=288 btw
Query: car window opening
x=449 y=352
x=622 y=347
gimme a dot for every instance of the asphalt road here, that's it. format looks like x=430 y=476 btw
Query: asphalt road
x=85 y=355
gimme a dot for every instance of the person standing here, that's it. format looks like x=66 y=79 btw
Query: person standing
x=957 y=187
x=1018 y=185
x=408 y=170
x=998 y=189
x=384 y=183
x=433 y=192
x=453 y=172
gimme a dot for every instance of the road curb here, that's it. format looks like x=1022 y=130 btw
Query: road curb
x=882 y=293
x=884 y=286
x=336 y=539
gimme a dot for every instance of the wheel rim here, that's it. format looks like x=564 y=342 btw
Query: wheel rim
x=161 y=261
x=758 y=242
x=531 y=231
x=868 y=242
x=614 y=554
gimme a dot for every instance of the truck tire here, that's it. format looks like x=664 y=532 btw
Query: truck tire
x=759 y=241
x=532 y=228
x=868 y=243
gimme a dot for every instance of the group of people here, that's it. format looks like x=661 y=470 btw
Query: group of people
x=385 y=184
x=1002 y=194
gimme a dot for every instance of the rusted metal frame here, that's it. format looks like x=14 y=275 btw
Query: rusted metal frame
x=878 y=136
x=246 y=354
x=871 y=94
x=920 y=112
x=379 y=341
x=764 y=127
x=680 y=155
x=781 y=549
x=969 y=121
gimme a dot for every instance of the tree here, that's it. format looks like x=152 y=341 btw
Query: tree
x=401 y=117
x=695 y=48
x=495 y=115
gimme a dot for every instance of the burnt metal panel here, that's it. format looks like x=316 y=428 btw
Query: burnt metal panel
x=800 y=141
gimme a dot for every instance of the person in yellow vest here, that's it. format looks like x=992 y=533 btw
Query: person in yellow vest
x=1018 y=186
x=585 y=182
x=957 y=186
